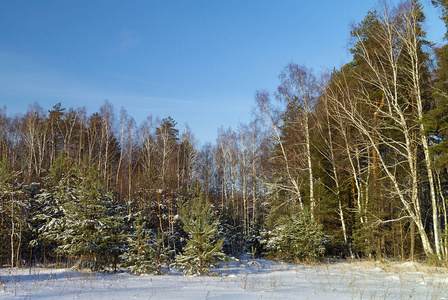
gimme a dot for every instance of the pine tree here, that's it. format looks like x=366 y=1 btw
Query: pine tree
x=204 y=248
x=436 y=123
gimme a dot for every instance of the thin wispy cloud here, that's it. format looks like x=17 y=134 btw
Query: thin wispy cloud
x=126 y=40
x=23 y=78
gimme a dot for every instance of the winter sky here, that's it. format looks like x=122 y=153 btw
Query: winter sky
x=198 y=61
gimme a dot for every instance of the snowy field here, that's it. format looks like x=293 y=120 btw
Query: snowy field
x=267 y=280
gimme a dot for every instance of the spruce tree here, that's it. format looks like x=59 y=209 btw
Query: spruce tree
x=145 y=251
x=92 y=225
x=297 y=238
x=48 y=217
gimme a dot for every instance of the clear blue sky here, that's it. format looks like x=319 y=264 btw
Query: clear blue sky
x=199 y=62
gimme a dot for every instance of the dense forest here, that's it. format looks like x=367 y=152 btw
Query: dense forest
x=351 y=163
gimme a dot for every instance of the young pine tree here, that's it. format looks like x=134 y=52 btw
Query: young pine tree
x=204 y=248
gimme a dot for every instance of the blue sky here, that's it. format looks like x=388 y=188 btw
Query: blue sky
x=199 y=62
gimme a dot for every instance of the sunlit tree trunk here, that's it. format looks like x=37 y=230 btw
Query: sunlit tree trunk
x=243 y=159
x=299 y=90
x=412 y=38
x=271 y=122
x=107 y=123
x=384 y=64
x=325 y=129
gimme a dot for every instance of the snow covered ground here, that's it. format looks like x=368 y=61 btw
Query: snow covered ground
x=268 y=280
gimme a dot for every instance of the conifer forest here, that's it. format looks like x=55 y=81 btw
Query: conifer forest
x=350 y=163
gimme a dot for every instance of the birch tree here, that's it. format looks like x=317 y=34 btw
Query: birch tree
x=396 y=115
x=326 y=129
x=280 y=161
x=299 y=91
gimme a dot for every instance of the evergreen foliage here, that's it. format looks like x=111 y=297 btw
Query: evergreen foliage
x=297 y=238
x=203 y=249
x=92 y=233
x=360 y=155
x=49 y=219
x=145 y=251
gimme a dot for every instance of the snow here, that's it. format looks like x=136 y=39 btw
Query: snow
x=265 y=280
